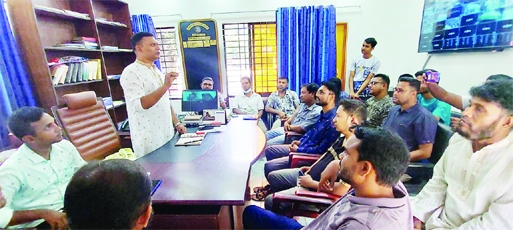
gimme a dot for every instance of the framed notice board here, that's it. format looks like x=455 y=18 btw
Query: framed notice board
x=200 y=52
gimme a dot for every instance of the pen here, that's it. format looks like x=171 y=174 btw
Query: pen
x=189 y=142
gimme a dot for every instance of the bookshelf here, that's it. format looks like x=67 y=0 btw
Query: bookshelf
x=40 y=25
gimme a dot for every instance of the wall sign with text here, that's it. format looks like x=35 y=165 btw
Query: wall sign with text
x=200 y=52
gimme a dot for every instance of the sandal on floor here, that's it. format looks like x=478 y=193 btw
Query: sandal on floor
x=259 y=196
x=261 y=188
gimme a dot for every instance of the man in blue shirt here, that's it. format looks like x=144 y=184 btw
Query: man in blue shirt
x=316 y=140
x=415 y=124
x=440 y=109
x=303 y=118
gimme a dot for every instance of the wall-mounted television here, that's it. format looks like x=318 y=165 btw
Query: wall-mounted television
x=466 y=25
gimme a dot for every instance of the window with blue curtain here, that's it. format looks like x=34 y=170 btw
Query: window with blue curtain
x=15 y=88
x=306 y=44
x=144 y=23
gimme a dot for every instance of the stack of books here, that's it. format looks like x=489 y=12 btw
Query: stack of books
x=76 y=72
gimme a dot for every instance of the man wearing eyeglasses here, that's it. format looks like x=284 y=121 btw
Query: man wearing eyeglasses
x=208 y=84
x=415 y=124
x=380 y=103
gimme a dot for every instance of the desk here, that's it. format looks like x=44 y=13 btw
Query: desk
x=217 y=177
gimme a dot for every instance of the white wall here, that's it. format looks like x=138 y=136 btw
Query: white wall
x=394 y=23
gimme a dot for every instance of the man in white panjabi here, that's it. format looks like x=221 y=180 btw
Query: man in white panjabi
x=150 y=115
x=472 y=186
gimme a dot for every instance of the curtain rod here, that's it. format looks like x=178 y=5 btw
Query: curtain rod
x=168 y=15
x=262 y=11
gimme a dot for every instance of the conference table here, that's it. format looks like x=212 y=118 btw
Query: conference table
x=200 y=184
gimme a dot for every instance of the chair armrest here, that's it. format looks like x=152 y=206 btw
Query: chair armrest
x=124 y=137
x=323 y=195
x=425 y=170
x=279 y=198
x=295 y=158
x=290 y=134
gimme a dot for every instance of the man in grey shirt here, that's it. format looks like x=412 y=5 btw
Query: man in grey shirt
x=377 y=201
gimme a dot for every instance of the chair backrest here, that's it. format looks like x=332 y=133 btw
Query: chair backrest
x=87 y=125
x=443 y=135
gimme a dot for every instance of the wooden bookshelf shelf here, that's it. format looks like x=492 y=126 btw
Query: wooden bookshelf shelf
x=118 y=51
x=115 y=106
x=70 y=49
x=78 y=83
x=52 y=12
x=41 y=24
x=110 y=24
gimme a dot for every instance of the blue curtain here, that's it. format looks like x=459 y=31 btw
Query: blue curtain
x=144 y=23
x=306 y=44
x=15 y=89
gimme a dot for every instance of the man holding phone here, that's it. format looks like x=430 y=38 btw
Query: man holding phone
x=440 y=109
x=152 y=119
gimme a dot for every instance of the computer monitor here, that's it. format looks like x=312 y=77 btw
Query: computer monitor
x=198 y=100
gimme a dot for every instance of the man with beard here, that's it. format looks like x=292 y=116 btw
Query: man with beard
x=283 y=102
x=439 y=109
x=249 y=102
x=380 y=103
x=111 y=194
x=207 y=83
x=472 y=186
x=34 y=178
x=301 y=120
x=363 y=69
x=372 y=164
x=416 y=125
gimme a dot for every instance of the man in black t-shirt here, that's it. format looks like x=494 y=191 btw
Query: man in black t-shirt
x=349 y=113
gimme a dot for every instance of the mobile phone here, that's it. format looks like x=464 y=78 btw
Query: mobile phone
x=155 y=185
x=432 y=76
x=301 y=173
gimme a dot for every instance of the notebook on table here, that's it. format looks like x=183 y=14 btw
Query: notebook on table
x=190 y=139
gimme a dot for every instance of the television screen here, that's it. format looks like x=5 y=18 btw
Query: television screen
x=451 y=25
x=198 y=100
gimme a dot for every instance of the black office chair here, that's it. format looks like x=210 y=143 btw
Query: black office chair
x=424 y=171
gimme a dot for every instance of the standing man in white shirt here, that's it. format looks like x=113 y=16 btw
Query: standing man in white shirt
x=207 y=83
x=249 y=102
x=282 y=102
x=363 y=68
x=34 y=178
x=472 y=186
x=150 y=115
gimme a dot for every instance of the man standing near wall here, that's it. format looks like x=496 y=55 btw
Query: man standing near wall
x=145 y=87
x=363 y=68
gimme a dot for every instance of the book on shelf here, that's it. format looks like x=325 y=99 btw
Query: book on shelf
x=84 y=39
x=74 y=72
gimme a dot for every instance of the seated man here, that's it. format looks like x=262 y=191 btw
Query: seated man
x=2 y=199
x=415 y=124
x=208 y=84
x=34 y=178
x=282 y=102
x=380 y=103
x=316 y=140
x=472 y=186
x=249 y=102
x=350 y=113
x=111 y=194
x=456 y=100
x=439 y=109
x=372 y=164
x=303 y=118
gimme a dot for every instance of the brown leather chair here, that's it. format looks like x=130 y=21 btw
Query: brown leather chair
x=87 y=125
